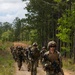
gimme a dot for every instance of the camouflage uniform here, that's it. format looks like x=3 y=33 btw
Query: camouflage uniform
x=34 y=55
x=20 y=56
x=42 y=54
x=12 y=48
x=28 y=51
x=28 y=57
x=53 y=61
x=14 y=52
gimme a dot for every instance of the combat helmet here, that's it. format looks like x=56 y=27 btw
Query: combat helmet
x=34 y=44
x=51 y=44
x=29 y=47
x=43 y=47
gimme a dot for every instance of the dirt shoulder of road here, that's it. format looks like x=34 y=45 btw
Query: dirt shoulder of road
x=69 y=72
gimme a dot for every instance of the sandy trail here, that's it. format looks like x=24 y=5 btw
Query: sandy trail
x=68 y=72
x=40 y=71
x=24 y=71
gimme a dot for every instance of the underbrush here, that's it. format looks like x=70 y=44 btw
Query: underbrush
x=68 y=64
x=6 y=64
x=6 y=60
x=5 y=45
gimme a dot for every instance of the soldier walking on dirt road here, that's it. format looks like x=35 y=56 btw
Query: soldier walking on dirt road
x=34 y=57
x=52 y=60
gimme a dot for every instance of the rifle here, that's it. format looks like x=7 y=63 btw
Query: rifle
x=56 y=67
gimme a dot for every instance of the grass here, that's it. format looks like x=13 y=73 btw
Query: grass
x=68 y=64
x=6 y=60
x=6 y=64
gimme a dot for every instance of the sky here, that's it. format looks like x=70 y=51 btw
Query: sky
x=10 y=9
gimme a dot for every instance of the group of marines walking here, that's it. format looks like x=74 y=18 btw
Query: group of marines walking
x=49 y=58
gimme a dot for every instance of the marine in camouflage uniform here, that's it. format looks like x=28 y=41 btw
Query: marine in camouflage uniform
x=14 y=52
x=20 y=56
x=34 y=55
x=42 y=53
x=28 y=52
x=52 y=60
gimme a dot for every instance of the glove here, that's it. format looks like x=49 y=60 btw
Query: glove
x=47 y=66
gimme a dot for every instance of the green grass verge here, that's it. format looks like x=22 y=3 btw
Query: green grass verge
x=6 y=60
x=6 y=63
x=68 y=64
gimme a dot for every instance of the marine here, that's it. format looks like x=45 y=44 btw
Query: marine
x=52 y=60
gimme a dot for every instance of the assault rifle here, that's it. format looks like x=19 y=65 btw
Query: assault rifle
x=56 y=67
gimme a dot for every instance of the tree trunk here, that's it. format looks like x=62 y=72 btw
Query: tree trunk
x=74 y=46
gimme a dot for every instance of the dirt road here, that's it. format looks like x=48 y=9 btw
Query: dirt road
x=68 y=72
x=40 y=71
x=24 y=71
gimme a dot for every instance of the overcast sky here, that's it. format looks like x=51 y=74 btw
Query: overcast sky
x=10 y=9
